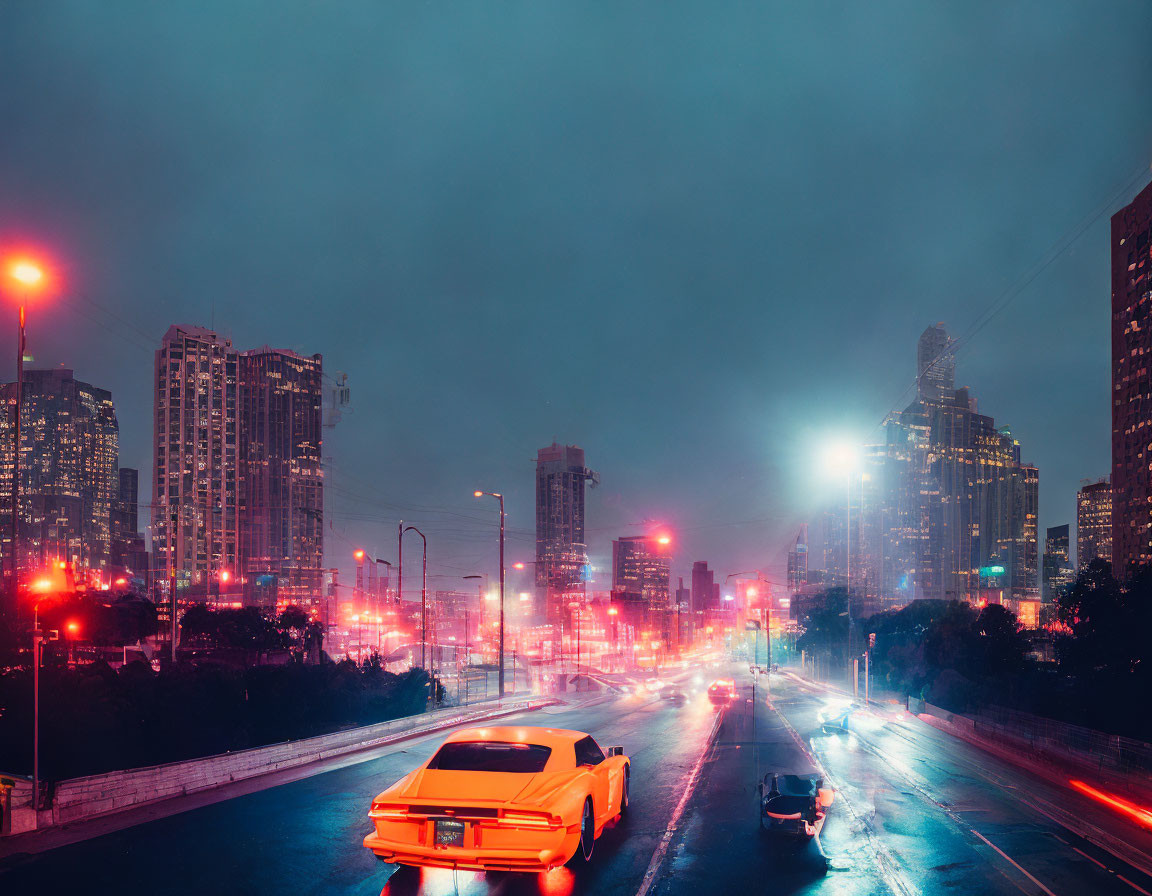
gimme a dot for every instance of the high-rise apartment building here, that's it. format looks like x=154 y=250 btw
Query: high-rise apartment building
x=1132 y=384
x=281 y=489
x=705 y=589
x=561 y=551
x=1058 y=571
x=69 y=443
x=935 y=364
x=128 y=553
x=641 y=571
x=1094 y=522
x=195 y=488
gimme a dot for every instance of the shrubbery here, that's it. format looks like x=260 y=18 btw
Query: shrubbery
x=94 y=719
x=964 y=658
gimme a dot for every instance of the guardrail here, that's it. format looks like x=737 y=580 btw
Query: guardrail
x=1122 y=762
x=103 y=794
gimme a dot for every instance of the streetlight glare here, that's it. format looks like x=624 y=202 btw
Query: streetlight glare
x=664 y=539
x=477 y=494
x=26 y=272
x=840 y=458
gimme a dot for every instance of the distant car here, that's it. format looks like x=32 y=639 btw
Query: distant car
x=502 y=799
x=674 y=695
x=654 y=684
x=794 y=805
x=722 y=690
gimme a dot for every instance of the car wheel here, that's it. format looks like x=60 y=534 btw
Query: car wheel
x=625 y=795
x=587 y=834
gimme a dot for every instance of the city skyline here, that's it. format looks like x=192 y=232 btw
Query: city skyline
x=742 y=418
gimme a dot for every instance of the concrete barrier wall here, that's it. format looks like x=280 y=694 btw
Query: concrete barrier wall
x=962 y=722
x=79 y=798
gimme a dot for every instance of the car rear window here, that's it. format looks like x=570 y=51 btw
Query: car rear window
x=491 y=756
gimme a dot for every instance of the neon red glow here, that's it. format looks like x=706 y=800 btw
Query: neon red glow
x=1137 y=813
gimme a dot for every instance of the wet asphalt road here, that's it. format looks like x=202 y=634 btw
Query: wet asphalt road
x=305 y=837
x=917 y=812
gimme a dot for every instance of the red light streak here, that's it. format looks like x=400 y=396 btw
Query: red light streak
x=1137 y=813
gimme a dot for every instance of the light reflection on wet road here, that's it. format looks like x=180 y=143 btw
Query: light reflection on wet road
x=917 y=812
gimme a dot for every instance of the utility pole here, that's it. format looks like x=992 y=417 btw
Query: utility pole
x=423 y=599
x=500 y=498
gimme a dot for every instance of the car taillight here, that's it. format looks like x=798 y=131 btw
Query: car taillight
x=388 y=810
x=529 y=819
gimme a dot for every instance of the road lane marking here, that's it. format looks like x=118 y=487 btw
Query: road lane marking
x=1090 y=859
x=950 y=811
x=1133 y=886
x=1015 y=864
x=670 y=831
x=889 y=868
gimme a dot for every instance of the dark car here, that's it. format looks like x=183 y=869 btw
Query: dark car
x=794 y=805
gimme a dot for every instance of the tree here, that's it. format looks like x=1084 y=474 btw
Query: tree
x=826 y=625
x=1094 y=613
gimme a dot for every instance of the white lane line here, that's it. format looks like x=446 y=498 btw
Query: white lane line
x=889 y=867
x=1015 y=864
x=1090 y=859
x=1133 y=886
x=670 y=831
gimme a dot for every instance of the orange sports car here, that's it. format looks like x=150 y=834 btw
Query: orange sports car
x=502 y=799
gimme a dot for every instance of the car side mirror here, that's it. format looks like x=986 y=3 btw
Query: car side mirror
x=615 y=751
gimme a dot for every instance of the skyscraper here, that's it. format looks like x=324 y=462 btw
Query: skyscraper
x=798 y=561
x=705 y=590
x=641 y=571
x=561 y=552
x=1131 y=390
x=950 y=508
x=1094 y=523
x=195 y=522
x=128 y=552
x=935 y=364
x=69 y=443
x=1058 y=571
x=280 y=480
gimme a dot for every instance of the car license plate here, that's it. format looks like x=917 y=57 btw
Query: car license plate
x=449 y=833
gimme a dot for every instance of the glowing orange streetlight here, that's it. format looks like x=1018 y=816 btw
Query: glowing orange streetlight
x=27 y=273
x=73 y=627
x=26 y=276
x=664 y=540
x=225 y=575
x=500 y=665
x=358 y=554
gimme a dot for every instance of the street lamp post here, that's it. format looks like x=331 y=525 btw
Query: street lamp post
x=28 y=275
x=423 y=597
x=845 y=458
x=378 y=648
x=36 y=643
x=500 y=676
